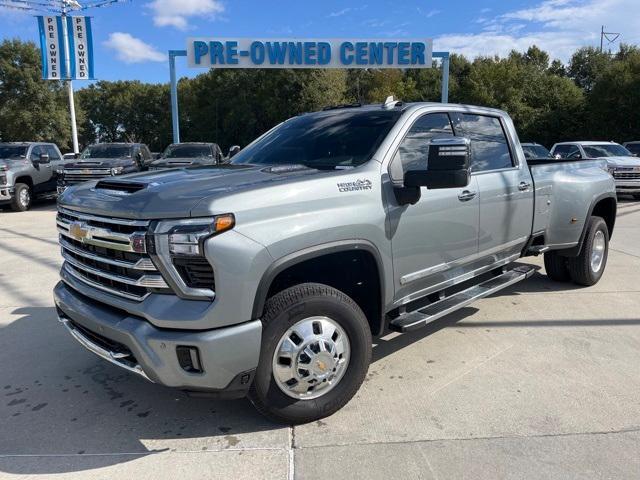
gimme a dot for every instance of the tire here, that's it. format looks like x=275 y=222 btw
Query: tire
x=581 y=268
x=21 y=201
x=557 y=267
x=297 y=306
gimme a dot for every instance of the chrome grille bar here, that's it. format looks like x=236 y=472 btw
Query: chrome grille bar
x=142 y=264
x=150 y=281
x=78 y=276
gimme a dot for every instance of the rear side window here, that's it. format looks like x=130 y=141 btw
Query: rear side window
x=489 y=146
x=413 y=152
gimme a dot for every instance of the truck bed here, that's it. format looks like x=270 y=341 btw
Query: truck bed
x=564 y=192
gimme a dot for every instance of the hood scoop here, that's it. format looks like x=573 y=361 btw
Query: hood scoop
x=120 y=187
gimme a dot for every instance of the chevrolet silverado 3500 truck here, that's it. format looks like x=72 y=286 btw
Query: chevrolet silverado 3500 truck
x=269 y=276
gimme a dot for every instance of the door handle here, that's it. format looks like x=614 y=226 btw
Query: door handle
x=523 y=186
x=466 y=195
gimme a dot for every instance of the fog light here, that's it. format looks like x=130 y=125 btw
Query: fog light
x=189 y=359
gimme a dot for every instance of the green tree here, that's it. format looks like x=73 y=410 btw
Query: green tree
x=128 y=111
x=31 y=109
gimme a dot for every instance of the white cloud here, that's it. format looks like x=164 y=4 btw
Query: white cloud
x=557 y=26
x=130 y=49
x=339 y=13
x=429 y=13
x=175 y=13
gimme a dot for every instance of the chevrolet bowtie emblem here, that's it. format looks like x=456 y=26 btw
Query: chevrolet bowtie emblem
x=322 y=366
x=79 y=231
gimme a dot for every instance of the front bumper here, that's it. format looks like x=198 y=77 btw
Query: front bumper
x=6 y=193
x=228 y=355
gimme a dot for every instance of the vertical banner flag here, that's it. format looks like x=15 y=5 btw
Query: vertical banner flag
x=52 y=47
x=80 y=47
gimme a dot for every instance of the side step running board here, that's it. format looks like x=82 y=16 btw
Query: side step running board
x=419 y=318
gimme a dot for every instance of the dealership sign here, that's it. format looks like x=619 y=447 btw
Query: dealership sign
x=76 y=33
x=308 y=53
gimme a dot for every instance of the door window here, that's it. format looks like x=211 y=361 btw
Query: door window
x=53 y=153
x=35 y=153
x=489 y=145
x=413 y=152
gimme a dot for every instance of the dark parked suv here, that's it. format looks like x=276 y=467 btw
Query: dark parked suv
x=105 y=160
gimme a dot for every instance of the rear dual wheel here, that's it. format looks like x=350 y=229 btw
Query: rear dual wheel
x=586 y=268
x=316 y=349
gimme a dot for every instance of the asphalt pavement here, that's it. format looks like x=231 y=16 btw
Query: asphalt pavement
x=539 y=382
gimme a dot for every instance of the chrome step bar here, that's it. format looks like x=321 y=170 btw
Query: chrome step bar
x=111 y=357
x=419 y=318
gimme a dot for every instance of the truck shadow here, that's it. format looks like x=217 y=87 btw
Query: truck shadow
x=58 y=399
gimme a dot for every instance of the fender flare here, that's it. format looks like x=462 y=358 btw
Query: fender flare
x=575 y=251
x=291 y=259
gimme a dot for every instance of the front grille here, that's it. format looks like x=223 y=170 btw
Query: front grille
x=618 y=175
x=196 y=272
x=79 y=175
x=108 y=254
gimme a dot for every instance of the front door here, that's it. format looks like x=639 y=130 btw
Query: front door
x=433 y=239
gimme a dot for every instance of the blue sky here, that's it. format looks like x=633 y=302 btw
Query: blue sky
x=131 y=39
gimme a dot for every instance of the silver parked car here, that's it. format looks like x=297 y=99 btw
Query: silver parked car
x=621 y=163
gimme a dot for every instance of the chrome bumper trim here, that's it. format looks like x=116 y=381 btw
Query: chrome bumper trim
x=111 y=357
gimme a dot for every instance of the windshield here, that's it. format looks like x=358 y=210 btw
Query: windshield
x=325 y=140
x=187 y=151
x=605 y=150
x=535 y=151
x=634 y=148
x=106 y=151
x=11 y=152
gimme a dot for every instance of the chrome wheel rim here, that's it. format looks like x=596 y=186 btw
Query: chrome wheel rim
x=598 y=249
x=311 y=358
x=25 y=197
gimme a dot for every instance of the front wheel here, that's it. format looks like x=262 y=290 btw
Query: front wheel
x=21 y=201
x=587 y=268
x=316 y=349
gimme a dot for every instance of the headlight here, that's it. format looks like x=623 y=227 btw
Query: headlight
x=188 y=239
x=117 y=170
x=611 y=170
x=60 y=171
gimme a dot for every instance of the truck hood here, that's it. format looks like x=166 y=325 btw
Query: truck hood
x=9 y=163
x=181 y=162
x=622 y=161
x=175 y=193
x=100 y=163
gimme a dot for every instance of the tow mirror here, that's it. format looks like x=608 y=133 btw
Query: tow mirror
x=233 y=150
x=447 y=166
x=44 y=158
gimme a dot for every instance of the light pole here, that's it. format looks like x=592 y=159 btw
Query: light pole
x=62 y=8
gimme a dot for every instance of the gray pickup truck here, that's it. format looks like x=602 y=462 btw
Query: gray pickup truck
x=621 y=163
x=103 y=160
x=27 y=170
x=270 y=276
x=188 y=154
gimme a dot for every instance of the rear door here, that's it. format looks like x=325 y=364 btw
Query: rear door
x=504 y=184
x=431 y=239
